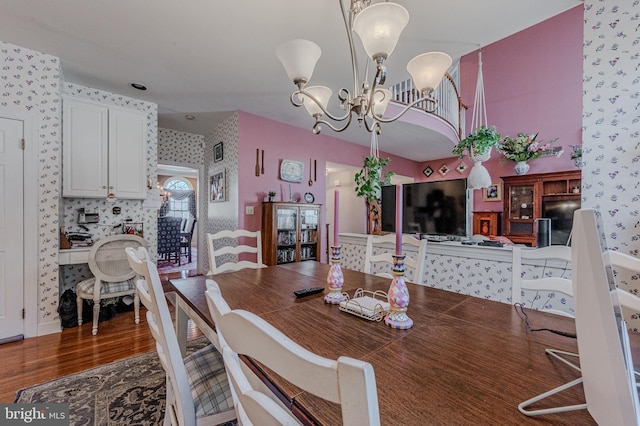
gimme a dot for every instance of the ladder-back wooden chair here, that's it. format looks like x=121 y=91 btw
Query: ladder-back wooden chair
x=197 y=388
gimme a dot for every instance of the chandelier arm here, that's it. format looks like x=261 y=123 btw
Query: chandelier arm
x=379 y=78
x=295 y=96
x=331 y=126
x=407 y=107
x=348 y=21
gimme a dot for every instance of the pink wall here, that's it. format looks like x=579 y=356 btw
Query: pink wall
x=281 y=141
x=532 y=83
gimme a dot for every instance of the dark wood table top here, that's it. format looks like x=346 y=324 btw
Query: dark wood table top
x=466 y=361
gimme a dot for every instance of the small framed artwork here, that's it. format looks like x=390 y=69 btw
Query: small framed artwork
x=493 y=192
x=217 y=187
x=443 y=170
x=133 y=228
x=218 y=153
x=292 y=171
x=428 y=171
x=461 y=167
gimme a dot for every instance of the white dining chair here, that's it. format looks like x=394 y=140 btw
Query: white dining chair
x=544 y=282
x=227 y=247
x=345 y=381
x=112 y=275
x=378 y=257
x=198 y=391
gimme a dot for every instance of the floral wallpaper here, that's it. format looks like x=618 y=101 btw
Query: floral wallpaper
x=222 y=215
x=611 y=126
x=31 y=81
x=110 y=223
x=180 y=147
x=475 y=273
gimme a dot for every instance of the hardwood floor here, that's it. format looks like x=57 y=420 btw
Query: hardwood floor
x=40 y=359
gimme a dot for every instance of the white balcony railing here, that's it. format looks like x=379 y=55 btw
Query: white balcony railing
x=450 y=107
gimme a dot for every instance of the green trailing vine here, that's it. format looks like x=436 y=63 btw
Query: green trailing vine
x=370 y=179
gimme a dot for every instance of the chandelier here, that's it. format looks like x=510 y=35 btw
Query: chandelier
x=379 y=27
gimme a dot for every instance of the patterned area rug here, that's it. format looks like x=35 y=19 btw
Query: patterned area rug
x=126 y=392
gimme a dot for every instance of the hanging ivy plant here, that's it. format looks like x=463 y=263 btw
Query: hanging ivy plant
x=478 y=141
x=370 y=179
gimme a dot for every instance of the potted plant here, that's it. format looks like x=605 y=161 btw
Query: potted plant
x=478 y=142
x=369 y=181
x=271 y=195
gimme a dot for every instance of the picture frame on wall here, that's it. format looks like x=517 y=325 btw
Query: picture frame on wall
x=428 y=171
x=217 y=187
x=493 y=192
x=218 y=153
x=443 y=170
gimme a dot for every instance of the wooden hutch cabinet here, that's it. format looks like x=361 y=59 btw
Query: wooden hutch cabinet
x=290 y=232
x=530 y=197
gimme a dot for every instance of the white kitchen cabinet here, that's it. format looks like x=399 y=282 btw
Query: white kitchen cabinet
x=103 y=150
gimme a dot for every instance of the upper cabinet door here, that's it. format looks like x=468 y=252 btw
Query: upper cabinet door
x=84 y=149
x=104 y=151
x=127 y=153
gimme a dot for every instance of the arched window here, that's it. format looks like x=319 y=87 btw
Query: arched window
x=181 y=198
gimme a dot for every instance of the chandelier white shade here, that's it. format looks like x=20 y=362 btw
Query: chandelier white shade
x=299 y=58
x=379 y=27
x=427 y=70
x=321 y=95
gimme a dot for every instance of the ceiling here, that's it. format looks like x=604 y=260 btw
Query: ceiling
x=210 y=58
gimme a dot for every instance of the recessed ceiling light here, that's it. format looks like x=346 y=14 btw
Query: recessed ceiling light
x=190 y=117
x=138 y=86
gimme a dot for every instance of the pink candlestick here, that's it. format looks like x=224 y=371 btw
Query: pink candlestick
x=336 y=215
x=398 y=219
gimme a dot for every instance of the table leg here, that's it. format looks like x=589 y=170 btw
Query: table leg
x=182 y=323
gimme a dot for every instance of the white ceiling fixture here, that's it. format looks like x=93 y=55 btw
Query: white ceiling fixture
x=379 y=27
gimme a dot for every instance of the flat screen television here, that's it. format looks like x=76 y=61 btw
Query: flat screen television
x=432 y=208
x=561 y=214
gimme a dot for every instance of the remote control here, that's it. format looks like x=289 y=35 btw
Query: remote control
x=308 y=291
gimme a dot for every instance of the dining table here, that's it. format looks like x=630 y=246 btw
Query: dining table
x=465 y=361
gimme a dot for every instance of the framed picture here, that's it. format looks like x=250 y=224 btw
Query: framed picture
x=428 y=171
x=217 y=152
x=493 y=192
x=461 y=167
x=133 y=228
x=217 y=187
x=443 y=170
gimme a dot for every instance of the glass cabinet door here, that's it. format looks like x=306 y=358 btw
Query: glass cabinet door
x=287 y=230
x=521 y=213
x=309 y=233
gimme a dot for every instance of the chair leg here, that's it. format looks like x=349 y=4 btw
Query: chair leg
x=189 y=250
x=96 y=316
x=136 y=306
x=79 y=308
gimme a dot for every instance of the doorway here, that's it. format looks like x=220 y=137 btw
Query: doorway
x=180 y=185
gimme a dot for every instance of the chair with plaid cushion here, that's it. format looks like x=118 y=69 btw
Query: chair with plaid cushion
x=346 y=381
x=197 y=388
x=112 y=275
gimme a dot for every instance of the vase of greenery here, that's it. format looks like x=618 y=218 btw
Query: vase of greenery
x=369 y=181
x=478 y=144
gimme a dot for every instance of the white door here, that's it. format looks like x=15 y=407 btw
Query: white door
x=11 y=229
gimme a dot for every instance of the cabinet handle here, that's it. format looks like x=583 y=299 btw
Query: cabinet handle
x=104 y=187
x=111 y=187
